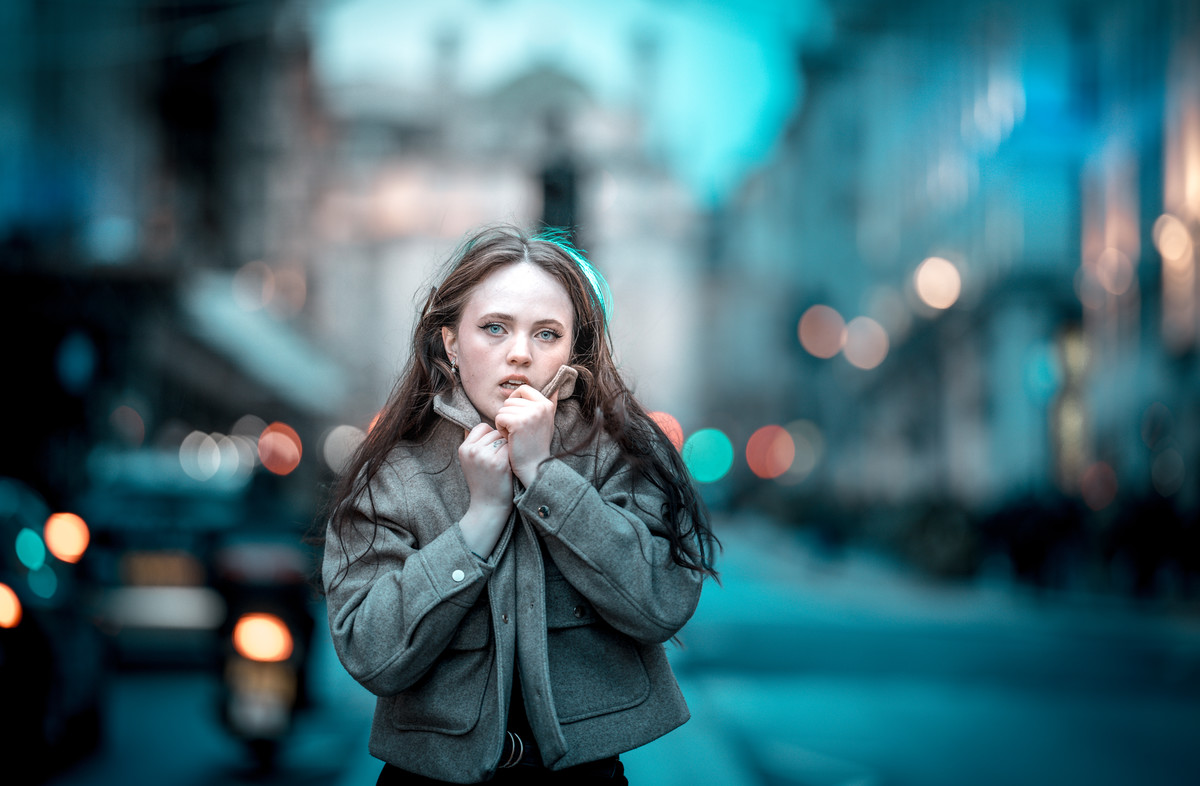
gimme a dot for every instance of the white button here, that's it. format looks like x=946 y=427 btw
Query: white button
x=458 y=575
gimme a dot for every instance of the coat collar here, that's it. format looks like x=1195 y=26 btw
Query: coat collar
x=457 y=408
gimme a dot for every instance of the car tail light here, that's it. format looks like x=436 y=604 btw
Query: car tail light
x=262 y=637
x=10 y=607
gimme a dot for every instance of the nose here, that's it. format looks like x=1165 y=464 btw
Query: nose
x=518 y=351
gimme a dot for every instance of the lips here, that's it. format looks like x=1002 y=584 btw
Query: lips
x=512 y=383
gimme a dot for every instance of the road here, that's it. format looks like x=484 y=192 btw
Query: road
x=800 y=669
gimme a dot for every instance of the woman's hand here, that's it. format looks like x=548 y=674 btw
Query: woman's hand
x=527 y=418
x=485 y=460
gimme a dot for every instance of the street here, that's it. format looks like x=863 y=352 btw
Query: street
x=802 y=668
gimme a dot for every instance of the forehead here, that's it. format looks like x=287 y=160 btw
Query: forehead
x=522 y=290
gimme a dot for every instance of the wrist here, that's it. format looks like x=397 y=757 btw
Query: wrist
x=530 y=471
x=481 y=526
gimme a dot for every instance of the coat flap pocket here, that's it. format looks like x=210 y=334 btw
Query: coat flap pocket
x=472 y=633
x=565 y=606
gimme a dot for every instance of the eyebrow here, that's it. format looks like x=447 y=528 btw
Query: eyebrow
x=496 y=316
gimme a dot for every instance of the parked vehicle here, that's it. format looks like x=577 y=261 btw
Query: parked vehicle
x=53 y=660
x=265 y=639
x=154 y=529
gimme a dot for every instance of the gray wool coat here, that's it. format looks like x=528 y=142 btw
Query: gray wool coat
x=580 y=594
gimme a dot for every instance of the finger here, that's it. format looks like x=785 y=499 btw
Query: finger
x=527 y=392
x=481 y=434
x=475 y=434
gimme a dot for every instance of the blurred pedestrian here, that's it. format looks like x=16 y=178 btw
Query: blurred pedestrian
x=515 y=539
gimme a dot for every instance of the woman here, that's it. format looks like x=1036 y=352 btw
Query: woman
x=515 y=539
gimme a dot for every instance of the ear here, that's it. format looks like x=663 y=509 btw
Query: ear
x=450 y=342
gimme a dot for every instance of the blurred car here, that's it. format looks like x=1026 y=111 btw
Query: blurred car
x=154 y=531
x=53 y=660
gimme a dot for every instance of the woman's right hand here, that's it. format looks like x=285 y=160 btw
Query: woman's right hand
x=484 y=456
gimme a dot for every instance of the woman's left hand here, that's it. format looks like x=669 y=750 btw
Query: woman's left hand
x=527 y=417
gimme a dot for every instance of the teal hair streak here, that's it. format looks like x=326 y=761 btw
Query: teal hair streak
x=601 y=294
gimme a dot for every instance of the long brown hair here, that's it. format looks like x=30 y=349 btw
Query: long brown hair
x=605 y=401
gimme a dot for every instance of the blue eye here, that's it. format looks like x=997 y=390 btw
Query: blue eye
x=493 y=328
x=548 y=335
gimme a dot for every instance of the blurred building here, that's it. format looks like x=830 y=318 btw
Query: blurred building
x=160 y=161
x=968 y=277
x=421 y=167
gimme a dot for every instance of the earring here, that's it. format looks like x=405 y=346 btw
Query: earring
x=454 y=365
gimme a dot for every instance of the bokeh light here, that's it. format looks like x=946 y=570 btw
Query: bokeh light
x=1171 y=238
x=67 y=536
x=938 y=283
x=866 y=343
x=262 y=637
x=238 y=455
x=290 y=292
x=43 y=582
x=10 y=607
x=340 y=444
x=31 y=551
x=822 y=331
x=200 y=456
x=249 y=426
x=708 y=455
x=670 y=427
x=279 y=448
x=770 y=451
x=809 y=446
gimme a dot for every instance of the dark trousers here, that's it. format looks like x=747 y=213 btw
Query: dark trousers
x=606 y=772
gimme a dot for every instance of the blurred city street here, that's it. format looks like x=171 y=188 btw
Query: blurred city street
x=912 y=288
x=805 y=668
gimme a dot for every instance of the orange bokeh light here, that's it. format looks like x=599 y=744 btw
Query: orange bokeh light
x=262 y=637
x=670 y=427
x=822 y=331
x=10 y=607
x=67 y=536
x=279 y=448
x=770 y=451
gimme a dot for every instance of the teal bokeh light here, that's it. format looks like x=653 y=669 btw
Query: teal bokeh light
x=43 y=582
x=30 y=549
x=708 y=455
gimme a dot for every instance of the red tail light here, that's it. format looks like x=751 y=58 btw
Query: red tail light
x=262 y=637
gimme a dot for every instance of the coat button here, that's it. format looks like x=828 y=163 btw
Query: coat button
x=458 y=575
x=579 y=611
x=543 y=511
x=505 y=618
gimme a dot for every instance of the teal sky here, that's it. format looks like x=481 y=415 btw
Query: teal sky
x=726 y=77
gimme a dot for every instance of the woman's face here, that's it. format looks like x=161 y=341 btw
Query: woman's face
x=516 y=329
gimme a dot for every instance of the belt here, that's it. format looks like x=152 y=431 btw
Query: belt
x=519 y=751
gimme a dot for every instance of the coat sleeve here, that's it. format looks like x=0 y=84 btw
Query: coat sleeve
x=393 y=604
x=610 y=543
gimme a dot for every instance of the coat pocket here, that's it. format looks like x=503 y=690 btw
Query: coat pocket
x=448 y=699
x=594 y=669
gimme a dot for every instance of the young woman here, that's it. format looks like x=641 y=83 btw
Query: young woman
x=515 y=539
